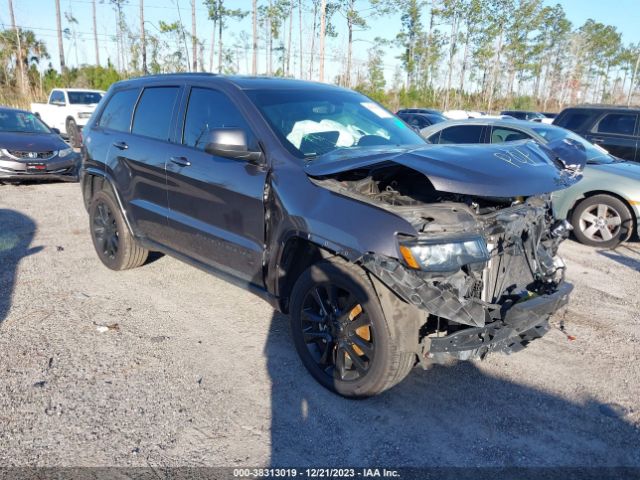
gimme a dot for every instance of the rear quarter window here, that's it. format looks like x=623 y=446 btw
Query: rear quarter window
x=117 y=113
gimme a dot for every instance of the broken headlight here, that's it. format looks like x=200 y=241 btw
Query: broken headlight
x=442 y=255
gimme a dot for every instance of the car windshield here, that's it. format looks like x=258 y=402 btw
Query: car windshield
x=21 y=122
x=310 y=123
x=595 y=154
x=84 y=98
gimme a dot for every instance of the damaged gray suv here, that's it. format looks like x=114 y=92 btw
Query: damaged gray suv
x=386 y=252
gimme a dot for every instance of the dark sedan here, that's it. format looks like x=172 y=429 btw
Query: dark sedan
x=30 y=150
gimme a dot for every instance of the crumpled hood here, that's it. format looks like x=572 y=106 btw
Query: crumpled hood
x=32 y=142
x=518 y=169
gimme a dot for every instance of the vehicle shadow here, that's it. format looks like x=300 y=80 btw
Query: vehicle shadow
x=16 y=233
x=447 y=416
x=624 y=255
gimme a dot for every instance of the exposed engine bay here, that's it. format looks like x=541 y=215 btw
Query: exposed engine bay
x=466 y=306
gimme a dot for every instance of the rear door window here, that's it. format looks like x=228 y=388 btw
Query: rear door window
x=117 y=113
x=154 y=112
x=573 y=120
x=461 y=134
x=617 y=123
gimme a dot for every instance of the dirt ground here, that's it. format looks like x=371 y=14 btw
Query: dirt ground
x=166 y=365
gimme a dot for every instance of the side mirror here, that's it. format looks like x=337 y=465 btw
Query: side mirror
x=231 y=143
x=55 y=130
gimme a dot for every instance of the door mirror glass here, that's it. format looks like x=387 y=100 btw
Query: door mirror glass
x=230 y=143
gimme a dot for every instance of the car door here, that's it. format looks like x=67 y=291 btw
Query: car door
x=136 y=127
x=216 y=204
x=616 y=133
x=57 y=104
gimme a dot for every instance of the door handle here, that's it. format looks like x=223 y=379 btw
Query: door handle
x=182 y=161
x=120 y=145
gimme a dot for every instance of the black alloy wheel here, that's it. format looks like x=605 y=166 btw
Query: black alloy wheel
x=337 y=332
x=105 y=231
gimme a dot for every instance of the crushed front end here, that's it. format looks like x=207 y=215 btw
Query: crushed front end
x=486 y=273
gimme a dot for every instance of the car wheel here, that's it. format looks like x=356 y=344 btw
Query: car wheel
x=73 y=133
x=341 y=334
x=602 y=221
x=115 y=246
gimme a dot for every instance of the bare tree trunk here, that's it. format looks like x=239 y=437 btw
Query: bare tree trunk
x=288 y=70
x=143 y=39
x=270 y=39
x=194 y=37
x=300 y=25
x=465 y=59
x=213 y=46
x=633 y=80
x=313 y=39
x=254 y=60
x=347 y=76
x=19 y=58
x=95 y=33
x=63 y=66
x=323 y=28
x=494 y=73
x=220 y=22
x=452 y=51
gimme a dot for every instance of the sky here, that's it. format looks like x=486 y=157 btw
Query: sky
x=39 y=16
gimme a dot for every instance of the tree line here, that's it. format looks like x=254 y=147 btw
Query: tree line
x=470 y=54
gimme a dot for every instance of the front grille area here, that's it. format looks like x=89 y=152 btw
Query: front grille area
x=31 y=155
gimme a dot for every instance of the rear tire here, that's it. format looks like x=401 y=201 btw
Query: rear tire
x=341 y=333
x=115 y=246
x=602 y=221
x=73 y=133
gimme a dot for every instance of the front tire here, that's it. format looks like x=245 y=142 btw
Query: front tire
x=115 y=246
x=602 y=221
x=341 y=334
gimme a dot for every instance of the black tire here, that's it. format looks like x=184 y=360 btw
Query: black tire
x=602 y=221
x=321 y=341
x=73 y=133
x=115 y=246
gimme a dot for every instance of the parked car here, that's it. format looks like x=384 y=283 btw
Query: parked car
x=30 y=150
x=524 y=115
x=603 y=208
x=421 y=120
x=384 y=251
x=419 y=110
x=68 y=110
x=616 y=129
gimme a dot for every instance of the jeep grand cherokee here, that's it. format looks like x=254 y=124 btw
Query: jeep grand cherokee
x=385 y=252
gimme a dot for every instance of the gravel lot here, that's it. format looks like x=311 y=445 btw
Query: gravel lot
x=194 y=371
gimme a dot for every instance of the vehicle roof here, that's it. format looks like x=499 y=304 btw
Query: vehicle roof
x=496 y=122
x=240 y=81
x=598 y=106
x=11 y=109
x=522 y=111
x=78 y=90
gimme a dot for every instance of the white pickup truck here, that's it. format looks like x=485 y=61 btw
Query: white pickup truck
x=68 y=110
